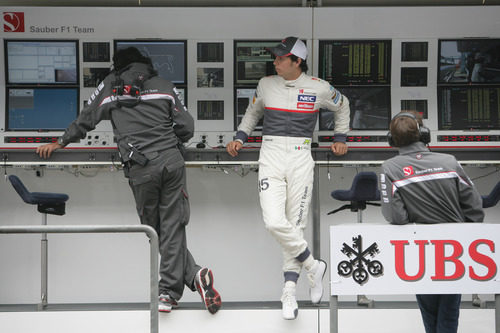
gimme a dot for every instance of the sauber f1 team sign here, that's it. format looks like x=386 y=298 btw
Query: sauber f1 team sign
x=448 y=258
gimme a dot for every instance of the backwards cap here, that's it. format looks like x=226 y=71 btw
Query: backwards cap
x=289 y=46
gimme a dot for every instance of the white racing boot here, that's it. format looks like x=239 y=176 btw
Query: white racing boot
x=290 y=308
x=315 y=277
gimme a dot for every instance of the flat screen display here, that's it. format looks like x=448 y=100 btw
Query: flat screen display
x=419 y=105
x=47 y=62
x=370 y=109
x=414 y=51
x=413 y=76
x=41 y=109
x=469 y=107
x=96 y=52
x=210 y=52
x=244 y=97
x=252 y=61
x=168 y=57
x=355 y=62
x=210 y=110
x=469 y=61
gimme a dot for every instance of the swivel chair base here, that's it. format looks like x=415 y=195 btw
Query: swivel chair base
x=364 y=188
x=47 y=203
x=478 y=302
x=365 y=301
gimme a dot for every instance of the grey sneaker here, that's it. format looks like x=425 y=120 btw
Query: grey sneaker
x=315 y=277
x=204 y=281
x=289 y=306
x=166 y=303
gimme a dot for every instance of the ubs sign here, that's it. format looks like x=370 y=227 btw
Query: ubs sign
x=414 y=259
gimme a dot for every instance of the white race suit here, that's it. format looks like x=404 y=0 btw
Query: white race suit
x=286 y=167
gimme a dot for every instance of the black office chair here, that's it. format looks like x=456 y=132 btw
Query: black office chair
x=364 y=189
x=491 y=199
x=48 y=203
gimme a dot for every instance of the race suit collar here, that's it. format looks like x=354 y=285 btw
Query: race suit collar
x=292 y=83
x=413 y=148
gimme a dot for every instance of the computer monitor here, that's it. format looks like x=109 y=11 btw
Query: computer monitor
x=370 y=109
x=252 y=61
x=355 y=62
x=168 y=56
x=469 y=108
x=243 y=98
x=414 y=51
x=46 y=62
x=41 y=108
x=469 y=61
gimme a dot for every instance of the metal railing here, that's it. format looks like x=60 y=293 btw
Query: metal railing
x=153 y=246
x=334 y=314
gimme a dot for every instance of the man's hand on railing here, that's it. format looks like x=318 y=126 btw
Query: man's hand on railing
x=46 y=150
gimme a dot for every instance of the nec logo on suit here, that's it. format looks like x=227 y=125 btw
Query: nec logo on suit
x=306 y=98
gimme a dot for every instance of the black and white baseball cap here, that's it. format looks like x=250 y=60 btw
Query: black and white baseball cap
x=289 y=46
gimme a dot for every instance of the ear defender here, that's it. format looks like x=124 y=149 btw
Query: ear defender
x=423 y=132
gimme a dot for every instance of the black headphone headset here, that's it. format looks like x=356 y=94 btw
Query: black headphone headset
x=423 y=132
x=134 y=90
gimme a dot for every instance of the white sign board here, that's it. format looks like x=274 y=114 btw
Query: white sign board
x=448 y=258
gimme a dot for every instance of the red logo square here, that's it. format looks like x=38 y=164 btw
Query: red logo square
x=13 y=21
x=408 y=171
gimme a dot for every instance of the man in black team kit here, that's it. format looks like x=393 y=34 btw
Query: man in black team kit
x=150 y=124
x=420 y=186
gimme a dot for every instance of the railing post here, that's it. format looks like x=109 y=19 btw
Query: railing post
x=316 y=225
x=154 y=250
x=334 y=314
x=44 y=269
x=497 y=313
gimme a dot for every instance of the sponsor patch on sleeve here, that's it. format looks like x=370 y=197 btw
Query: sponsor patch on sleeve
x=336 y=96
x=254 y=97
x=95 y=93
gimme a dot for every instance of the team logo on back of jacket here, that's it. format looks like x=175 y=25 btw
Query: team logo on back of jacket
x=408 y=170
x=359 y=267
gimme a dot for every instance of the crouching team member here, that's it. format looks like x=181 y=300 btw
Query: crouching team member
x=420 y=186
x=289 y=103
x=150 y=124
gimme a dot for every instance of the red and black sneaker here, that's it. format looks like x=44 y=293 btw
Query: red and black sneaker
x=166 y=303
x=204 y=282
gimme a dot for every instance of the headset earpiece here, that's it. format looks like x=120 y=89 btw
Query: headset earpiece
x=389 y=139
x=423 y=131
x=133 y=90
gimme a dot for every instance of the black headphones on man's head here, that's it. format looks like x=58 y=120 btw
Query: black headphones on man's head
x=424 y=132
x=133 y=90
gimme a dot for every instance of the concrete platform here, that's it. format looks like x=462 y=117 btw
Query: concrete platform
x=233 y=318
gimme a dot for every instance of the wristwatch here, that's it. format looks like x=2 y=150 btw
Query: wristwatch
x=60 y=141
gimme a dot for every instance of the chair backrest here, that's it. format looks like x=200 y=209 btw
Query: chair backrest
x=491 y=199
x=365 y=186
x=21 y=189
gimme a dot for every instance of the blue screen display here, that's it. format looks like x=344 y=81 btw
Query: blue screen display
x=41 y=109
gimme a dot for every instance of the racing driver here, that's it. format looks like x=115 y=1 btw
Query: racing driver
x=289 y=103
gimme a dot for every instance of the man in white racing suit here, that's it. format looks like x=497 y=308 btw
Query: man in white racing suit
x=289 y=103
